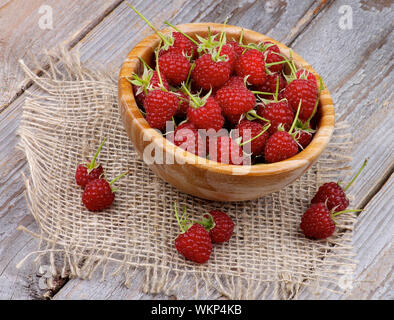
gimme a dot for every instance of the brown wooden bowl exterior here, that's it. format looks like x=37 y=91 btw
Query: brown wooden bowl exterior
x=209 y=179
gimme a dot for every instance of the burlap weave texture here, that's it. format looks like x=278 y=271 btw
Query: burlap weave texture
x=268 y=256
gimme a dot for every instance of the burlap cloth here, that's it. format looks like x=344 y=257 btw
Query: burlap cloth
x=268 y=256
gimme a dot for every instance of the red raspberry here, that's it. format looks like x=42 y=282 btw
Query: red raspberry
x=235 y=100
x=181 y=45
x=223 y=226
x=271 y=55
x=333 y=195
x=303 y=137
x=235 y=81
x=148 y=85
x=251 y=63
x=270 y=84
x=208 y=73
x=316 y=222
x=98 y=195
x=225 y=150
x=255 y=128
x=229 y=51
x=237 y=48
x=160 y=107
x=278 y=113
x=83 y=177
x=175 y=67
x=302 y=89
x=280 y=146
x=186 y=136
x=194 y=244
x=305 y=74
x=184 y=101
x=207 y=116
x=90 y=171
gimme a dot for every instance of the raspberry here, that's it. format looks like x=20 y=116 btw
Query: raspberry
x=235 y=81
x=207 y=116
x=181 y=45
x=184 y=101
x=270 y=84
x=235 y=100
x=90 y=171
x=175 y=67
x=251 y=63
x=225 y=150
x=272 y=55
x=303 y=137
x=229 y=51
x=194 y=243
x=278 y=113
x=333 y=195
x=305 y=74
x=237 y=48
x=221 y=228
x=149 y=81
x=186 y=136
x=208 y=73
x=160 y=107
x=305 y=90
x=255 y=128
x=316 y=222
x=280 y=146
x=98 y=195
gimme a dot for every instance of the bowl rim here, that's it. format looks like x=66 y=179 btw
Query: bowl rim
x=126 y=98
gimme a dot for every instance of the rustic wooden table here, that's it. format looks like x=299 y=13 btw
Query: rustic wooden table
x=350 y=43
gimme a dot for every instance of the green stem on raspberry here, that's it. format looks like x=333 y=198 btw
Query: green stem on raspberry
x=145 y=64
x=162 y=37
x=296 y=117
x=207 y=223
x=187 y=83
x=253 y=113
x=241 y=36
x=255 y=137
x=196 y=102
x=357 y=174
x=158 y=69
x=345 y=211
x=276 y=90
x=274 y=63
x=180 y=31
x=92 y=165
x=306 y=124
x=261 y=92
x=118 y=177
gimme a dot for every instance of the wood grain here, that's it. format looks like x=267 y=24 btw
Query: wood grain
x=24 y=34
x=357 y=66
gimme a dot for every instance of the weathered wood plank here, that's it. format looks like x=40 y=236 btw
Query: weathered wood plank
x=27 y=27
x=109 y=43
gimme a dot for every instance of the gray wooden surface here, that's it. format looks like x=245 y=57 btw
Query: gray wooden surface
x=356 y=65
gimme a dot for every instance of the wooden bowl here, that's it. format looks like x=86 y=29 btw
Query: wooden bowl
x=201 y=177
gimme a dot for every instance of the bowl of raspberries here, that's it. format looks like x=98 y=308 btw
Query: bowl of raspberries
x=222 y=112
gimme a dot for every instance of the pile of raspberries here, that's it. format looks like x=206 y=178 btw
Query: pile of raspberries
x=227 y=101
